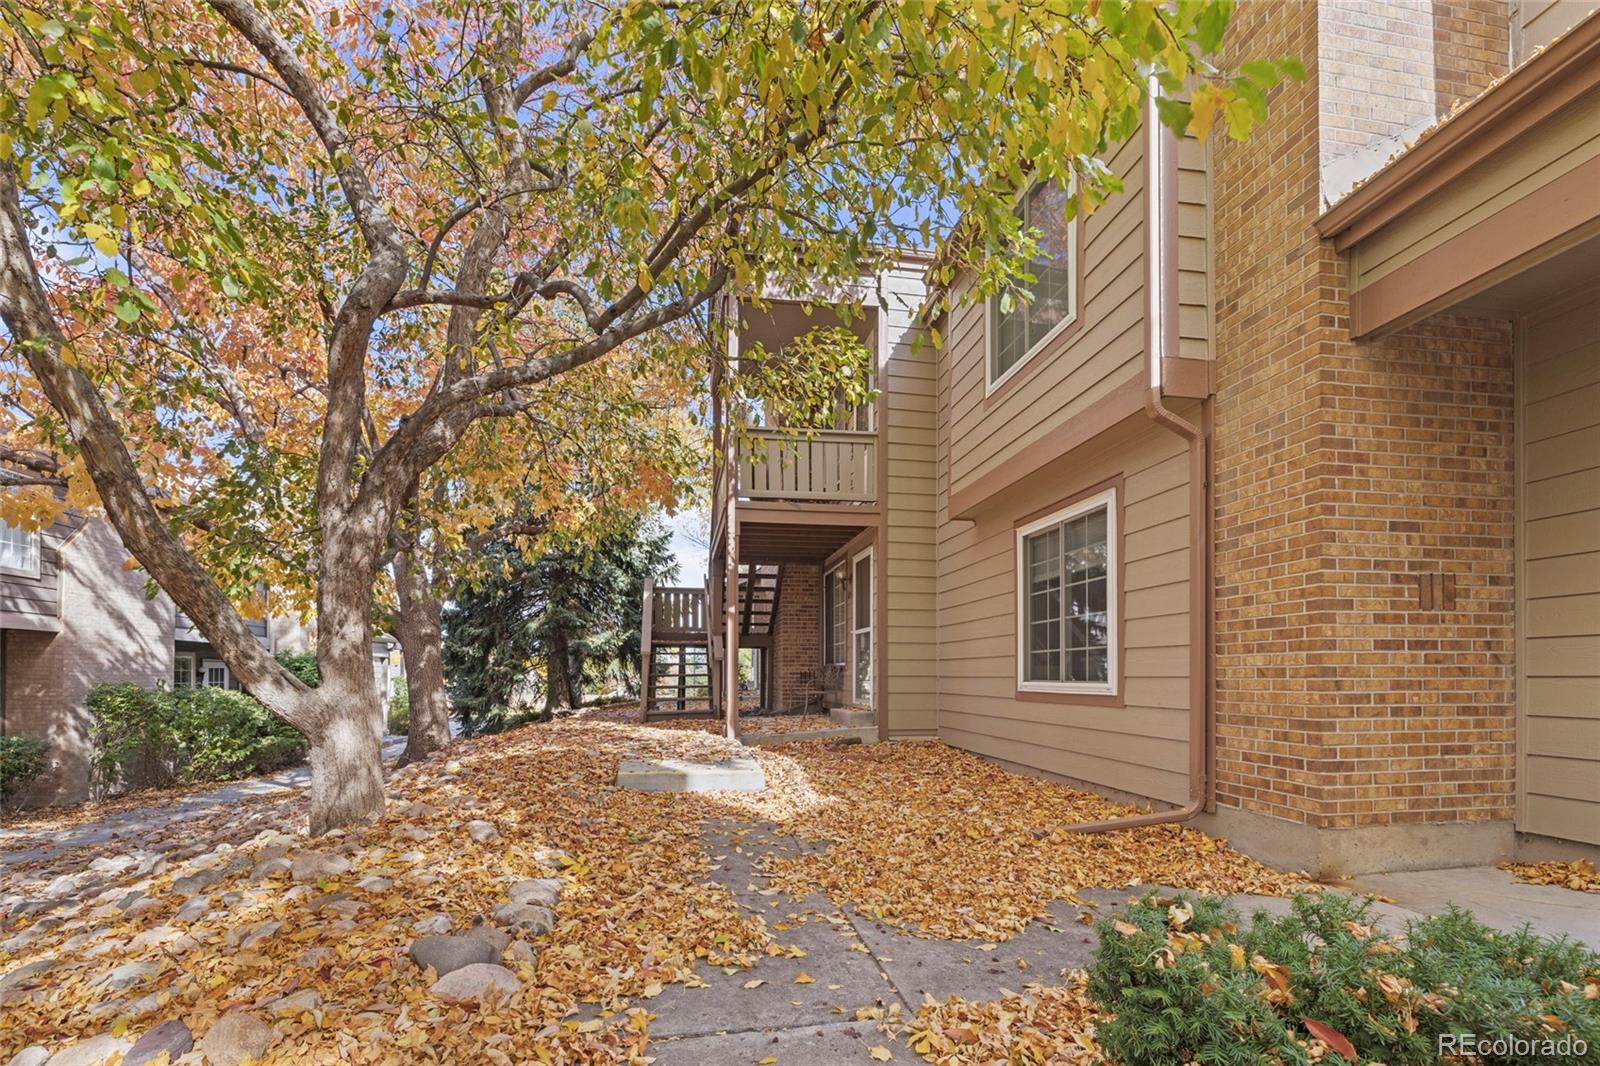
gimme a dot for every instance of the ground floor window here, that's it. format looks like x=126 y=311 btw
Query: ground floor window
x=861 y=626
x=1066 y=599
x=214 y=674
x=183 y=671
x=833 y=611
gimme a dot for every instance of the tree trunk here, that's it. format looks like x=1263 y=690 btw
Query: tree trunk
x=346 y=762
x=422 y=641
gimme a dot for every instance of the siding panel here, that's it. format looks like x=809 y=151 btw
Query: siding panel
x=1559 y=583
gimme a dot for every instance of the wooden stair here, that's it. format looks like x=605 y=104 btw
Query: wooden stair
x=680 y=681
x=758 y=598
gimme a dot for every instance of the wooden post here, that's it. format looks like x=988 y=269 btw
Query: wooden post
x=645 y=651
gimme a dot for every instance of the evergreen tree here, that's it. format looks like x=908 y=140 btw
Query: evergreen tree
x=566 y=612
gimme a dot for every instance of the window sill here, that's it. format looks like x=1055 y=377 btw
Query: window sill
x=1098 y=696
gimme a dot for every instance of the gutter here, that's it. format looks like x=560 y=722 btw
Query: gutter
x=1563 y=72
x=1161 y=342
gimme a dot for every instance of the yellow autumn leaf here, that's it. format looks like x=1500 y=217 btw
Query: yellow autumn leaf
x=755 y=982
x=805 y=979
x=880 y=1053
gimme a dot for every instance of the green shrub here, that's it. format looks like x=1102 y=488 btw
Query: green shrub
x=22 y=759
x=155 y=737
x=302 y=664
x=134 y=732
x=400 y=708
x=1191 y=987
x=226 y=734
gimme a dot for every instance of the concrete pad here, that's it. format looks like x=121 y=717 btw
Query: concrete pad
x=838 y=1044
x=682 y=775
x=1497 y=898
x=765 y=740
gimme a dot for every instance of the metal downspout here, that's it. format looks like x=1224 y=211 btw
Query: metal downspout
x=1161 y=324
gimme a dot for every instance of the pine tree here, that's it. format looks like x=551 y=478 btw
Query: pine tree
x=567 y=612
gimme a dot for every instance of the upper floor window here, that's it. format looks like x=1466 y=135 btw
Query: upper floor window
x=1017 y=332
x=19 y=549
x=1066 y=599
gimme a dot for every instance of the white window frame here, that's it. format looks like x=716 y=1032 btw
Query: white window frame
x=838 y=573
x=36 y=549
x=206 y=666
x=191 y=659
x=856 y=629
x=1107 y=500
x=991 y=307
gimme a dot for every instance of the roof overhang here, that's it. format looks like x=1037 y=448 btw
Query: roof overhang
x=1564 y=72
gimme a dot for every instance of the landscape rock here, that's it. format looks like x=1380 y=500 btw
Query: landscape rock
x=196 y=883
x=172 y=1037
x=236 y=1038
x=495 y=937
x=30 y=1056
x=307 y=999
x=91 y=1052
x=129 y=974
x=270 y=868
x=433 y=924
x=154 y=937
x=523 y=953
x=374 y=884
x=315 y=865
x=536 y=920
x=24 y=974
x=446 y=954
x=476 y=982
x=193 y=910
x=540 y=891
x=251 y=935
x=482 y=832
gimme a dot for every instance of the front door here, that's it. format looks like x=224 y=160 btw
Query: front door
x=861 y=628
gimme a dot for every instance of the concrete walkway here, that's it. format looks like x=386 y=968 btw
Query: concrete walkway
x=856 y=963
x=1495 y=897
x=26 y=843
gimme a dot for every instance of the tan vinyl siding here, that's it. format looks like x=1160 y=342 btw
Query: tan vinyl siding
x=1559 y=584
x=1139 y=748
x=1106 y=347
x=1535 y=23
x=1194 y=249
x=1064 y=380
x=906 y=561
x=1560 y=144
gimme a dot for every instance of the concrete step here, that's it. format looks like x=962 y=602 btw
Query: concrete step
x=854 y=717
x=681 y=775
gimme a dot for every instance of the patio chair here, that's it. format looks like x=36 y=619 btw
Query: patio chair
x=816 y=685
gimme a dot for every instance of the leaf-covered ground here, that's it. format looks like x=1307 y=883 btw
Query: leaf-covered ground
x=922 y=836
x=1578 y=875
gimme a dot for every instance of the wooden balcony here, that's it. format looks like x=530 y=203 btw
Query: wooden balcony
x=675 y=614
x=825 y=466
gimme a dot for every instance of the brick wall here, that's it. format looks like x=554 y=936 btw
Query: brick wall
x=1471 y=48
x=110 y=632
x=797 y=635
x=1386 y=69
x=1344 y=471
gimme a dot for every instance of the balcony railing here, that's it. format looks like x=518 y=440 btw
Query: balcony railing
x=829 y=466
x=678 y=610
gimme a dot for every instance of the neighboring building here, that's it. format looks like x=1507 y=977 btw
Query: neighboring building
x=1281 y=501
x=73 y=614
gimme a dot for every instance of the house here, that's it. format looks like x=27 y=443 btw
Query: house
x=73 y=614
x=1278 y=508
